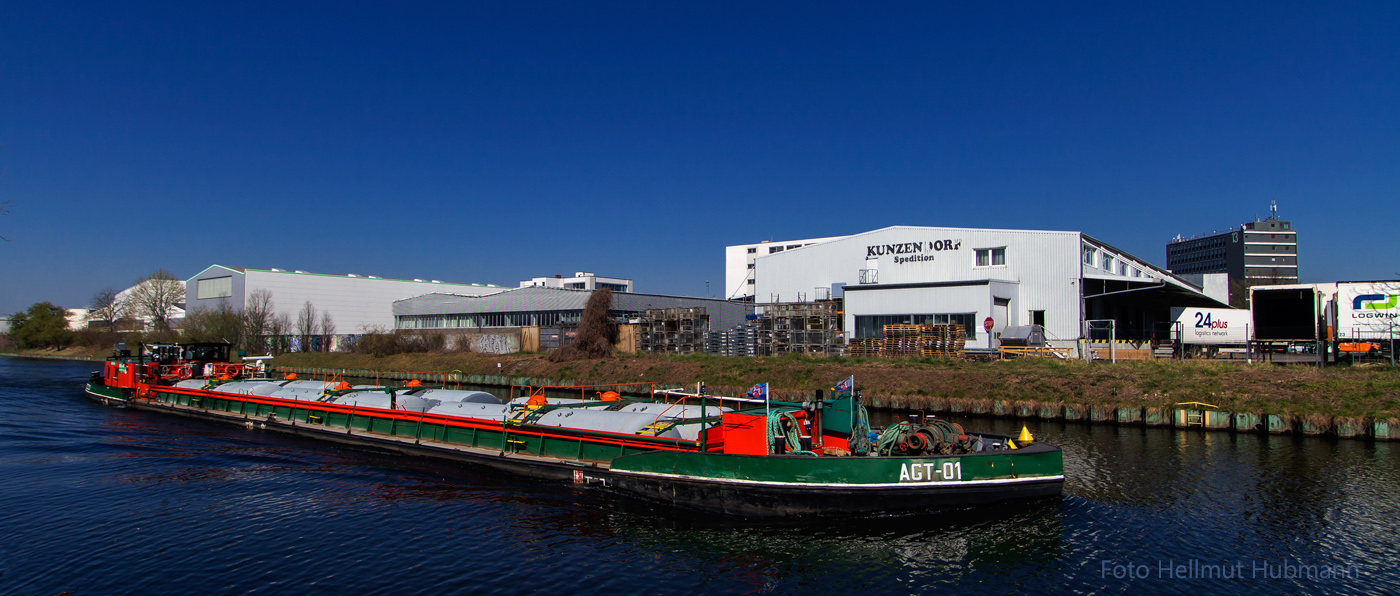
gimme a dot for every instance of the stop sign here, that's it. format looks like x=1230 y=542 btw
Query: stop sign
x=987 y=324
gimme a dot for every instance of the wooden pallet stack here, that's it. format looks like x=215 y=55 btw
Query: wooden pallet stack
x=865 y=348
x=942 y=341
x=901 y=341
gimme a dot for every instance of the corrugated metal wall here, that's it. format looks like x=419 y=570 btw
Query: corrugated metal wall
x=1042 y=268
x=355 y=303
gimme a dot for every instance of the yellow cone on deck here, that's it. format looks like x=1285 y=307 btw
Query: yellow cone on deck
x=1025 y=438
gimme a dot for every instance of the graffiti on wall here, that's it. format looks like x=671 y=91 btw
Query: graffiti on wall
x=494 y=344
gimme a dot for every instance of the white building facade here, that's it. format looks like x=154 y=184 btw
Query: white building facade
x=581 y=280
x=355 y=303
x=739 y=263
x=985 y=280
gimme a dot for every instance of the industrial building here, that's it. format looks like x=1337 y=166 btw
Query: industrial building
x=739 y=263
x=355 y=303
x=541 y=306
x=984 y=280
x=1260 y=252
x=581 y=280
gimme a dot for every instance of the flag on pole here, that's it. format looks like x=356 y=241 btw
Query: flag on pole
x=845 y=385
x=759 y=391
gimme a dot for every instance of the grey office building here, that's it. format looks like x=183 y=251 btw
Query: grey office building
x=1260 y=252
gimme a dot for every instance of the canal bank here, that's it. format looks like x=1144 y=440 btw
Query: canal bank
x=1346 y=402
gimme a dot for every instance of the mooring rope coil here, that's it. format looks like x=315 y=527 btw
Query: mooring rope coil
x=792 y=439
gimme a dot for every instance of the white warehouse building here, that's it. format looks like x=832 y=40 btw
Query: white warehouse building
x=355 y=302
x=984 y=279
x=739 y=263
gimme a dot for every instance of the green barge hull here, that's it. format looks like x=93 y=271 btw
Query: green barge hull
x=673 y=471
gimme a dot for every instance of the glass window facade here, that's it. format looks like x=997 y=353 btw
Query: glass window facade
x=873 y=326
x=505 y=319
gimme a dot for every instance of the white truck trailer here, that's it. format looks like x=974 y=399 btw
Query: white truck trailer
x=1212 y=332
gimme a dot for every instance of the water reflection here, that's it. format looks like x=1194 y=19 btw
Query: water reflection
x=138 y=502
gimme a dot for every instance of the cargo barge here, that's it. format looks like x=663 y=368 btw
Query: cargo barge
x=745 y=456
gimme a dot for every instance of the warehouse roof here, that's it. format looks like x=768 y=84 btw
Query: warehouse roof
x=537 y=299
x=348 y=275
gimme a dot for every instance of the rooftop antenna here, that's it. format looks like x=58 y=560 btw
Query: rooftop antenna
x=1273 y=210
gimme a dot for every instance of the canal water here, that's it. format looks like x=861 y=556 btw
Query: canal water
x=103 y=501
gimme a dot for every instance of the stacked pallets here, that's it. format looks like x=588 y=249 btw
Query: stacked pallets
x=942 y=341
x=865 y=348
x=738 y=341
x=914 y=341
x=675 y=330
x=798 y=328
x=902 y=341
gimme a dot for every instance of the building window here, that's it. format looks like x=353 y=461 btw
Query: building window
x=753 y=250
x=1108 y=263
x=1090 y=255
x=750 y=282
x=775 y=249
x=1122 y=268
x=991 y=257
x=873 y=326
x=218 y=287
x=750 y=265
x=791 y=246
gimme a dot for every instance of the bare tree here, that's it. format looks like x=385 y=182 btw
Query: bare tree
x=597 y=331
x=220 y=323
x=257 y=319
x=278 y=329
x=327 y=330
x=155 y=295
x=106 y=309
x=306 y=325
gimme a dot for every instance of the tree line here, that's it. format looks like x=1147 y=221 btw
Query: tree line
x=145 y=314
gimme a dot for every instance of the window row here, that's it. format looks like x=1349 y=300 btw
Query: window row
x=471 y=321
x=873 y=326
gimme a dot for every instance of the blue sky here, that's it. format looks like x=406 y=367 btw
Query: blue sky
x=490 y=143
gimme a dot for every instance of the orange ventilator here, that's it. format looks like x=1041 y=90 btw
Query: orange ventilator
x=611 y=396
x=342 y=386
x=537 y=400
x=290 y=376
x=414 y=383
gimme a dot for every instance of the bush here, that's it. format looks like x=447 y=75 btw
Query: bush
x=98 y=339
x=597 y=331
x=380 y=343
x=44 y=325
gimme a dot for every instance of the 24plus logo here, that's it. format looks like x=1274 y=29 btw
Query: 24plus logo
x=1203 y=322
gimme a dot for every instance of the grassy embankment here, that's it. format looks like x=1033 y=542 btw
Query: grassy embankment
x=939 y=385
